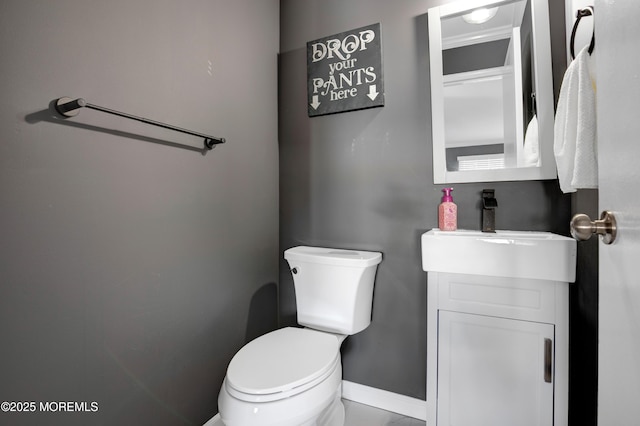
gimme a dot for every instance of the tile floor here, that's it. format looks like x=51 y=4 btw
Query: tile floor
x=364 y=415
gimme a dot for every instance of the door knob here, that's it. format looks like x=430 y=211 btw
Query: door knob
x=582 y=227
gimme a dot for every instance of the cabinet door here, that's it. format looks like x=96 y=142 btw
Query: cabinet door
x=494 y=371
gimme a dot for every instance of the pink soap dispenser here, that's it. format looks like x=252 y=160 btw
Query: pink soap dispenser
x=447 y=212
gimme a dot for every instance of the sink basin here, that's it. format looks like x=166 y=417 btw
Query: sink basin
x=516 y=254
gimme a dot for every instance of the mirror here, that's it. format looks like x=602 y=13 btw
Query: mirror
x=491 y=91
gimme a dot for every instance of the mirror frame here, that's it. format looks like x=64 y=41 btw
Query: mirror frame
x=543 y=78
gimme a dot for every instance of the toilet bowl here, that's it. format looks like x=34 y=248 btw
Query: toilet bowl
x=293 y=376
x=288 y=377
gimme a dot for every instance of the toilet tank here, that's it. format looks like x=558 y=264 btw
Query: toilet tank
x=334 y=287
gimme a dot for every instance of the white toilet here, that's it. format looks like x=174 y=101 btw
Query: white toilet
x=293 y=376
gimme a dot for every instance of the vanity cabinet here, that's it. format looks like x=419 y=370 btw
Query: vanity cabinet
x=497 y=351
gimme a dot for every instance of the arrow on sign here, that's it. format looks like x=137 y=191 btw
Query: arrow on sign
x=372 y=92
x=315 y=104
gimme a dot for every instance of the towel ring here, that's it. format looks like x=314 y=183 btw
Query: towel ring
x=587 y=11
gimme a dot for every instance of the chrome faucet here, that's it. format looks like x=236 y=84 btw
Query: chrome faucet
x=489 y=204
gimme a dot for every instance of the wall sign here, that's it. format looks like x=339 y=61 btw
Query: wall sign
x=344 y=72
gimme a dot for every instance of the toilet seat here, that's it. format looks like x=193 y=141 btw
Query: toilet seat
x=282 y=363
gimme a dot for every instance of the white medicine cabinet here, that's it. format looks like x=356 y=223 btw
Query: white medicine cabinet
x=491 y=91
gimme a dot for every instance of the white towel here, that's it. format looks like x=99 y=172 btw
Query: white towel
x=531 y=155
x=575 y=138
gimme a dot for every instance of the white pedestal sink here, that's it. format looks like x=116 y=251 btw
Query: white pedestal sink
x=497 y=327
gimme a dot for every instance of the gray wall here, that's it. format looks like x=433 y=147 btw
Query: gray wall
x=132 y=270
x=363 y=180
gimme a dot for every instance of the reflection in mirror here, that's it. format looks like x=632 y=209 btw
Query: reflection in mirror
x=491 y=87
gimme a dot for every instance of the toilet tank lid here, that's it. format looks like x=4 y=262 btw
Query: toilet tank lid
x=333 y=256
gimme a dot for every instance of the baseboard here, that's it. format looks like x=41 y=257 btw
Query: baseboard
x=213 y=421
x=378 y=398
x=389 y=401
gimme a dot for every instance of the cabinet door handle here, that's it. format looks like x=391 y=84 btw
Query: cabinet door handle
x=548 y=354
